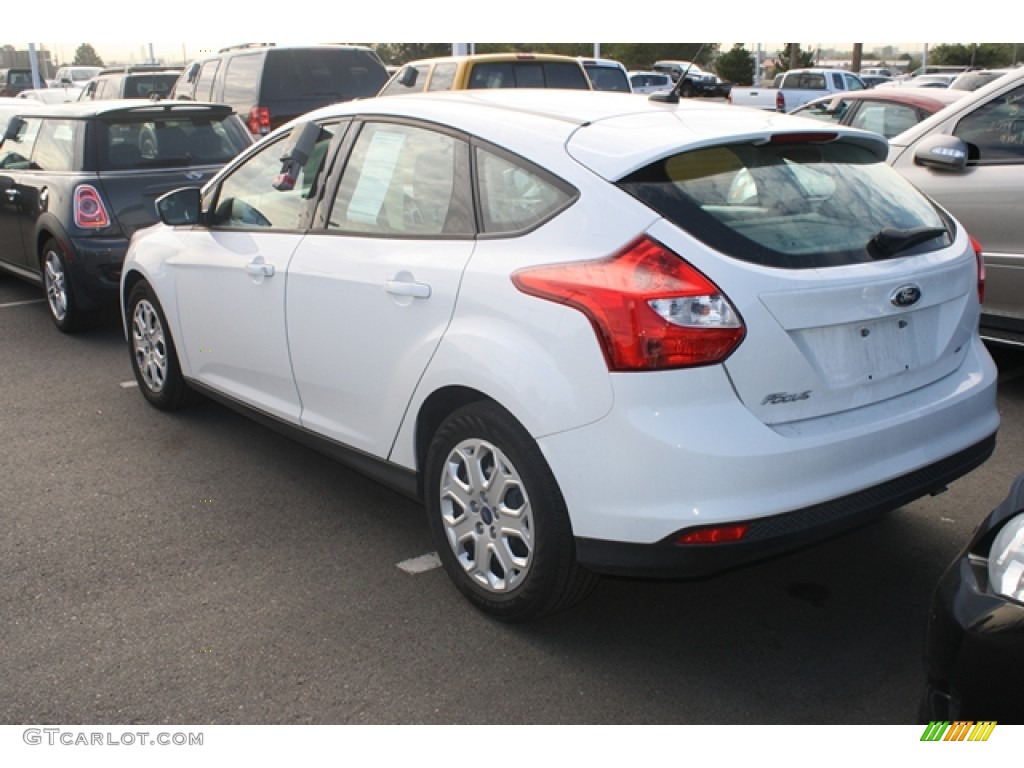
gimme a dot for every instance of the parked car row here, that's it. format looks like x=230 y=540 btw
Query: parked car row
x=731 y=336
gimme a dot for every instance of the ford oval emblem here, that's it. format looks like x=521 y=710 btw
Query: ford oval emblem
x=905 y=296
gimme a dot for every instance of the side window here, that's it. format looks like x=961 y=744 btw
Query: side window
x=996 y=128
x=242 y=79
x=853 y=83
x=514 y=197
x=15 y=153
x=55 y=146
x=443 y=77
x=253 y=195
x=830 y=110
x=402 y=181
x=204 y=85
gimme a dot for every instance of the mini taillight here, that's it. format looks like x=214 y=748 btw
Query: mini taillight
x=90 y=213
x=716 y=534
x=981 y=270
x=259 y=120
x=650 y=309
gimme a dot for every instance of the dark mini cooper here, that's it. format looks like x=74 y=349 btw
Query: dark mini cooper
x=77 y=180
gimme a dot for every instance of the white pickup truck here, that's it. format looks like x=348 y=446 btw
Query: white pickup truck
x=795 y=88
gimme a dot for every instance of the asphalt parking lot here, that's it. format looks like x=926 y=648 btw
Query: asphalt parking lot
x=199 y=568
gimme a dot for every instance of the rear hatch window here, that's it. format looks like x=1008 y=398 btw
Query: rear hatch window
x=149 y=86
x=792 y=205
x=321 y=75
x=528 y=74
x=174 y=141
x=855 y=289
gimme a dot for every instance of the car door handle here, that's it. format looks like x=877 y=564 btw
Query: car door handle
x=259 y=269
x=407 y=288
x=12 y=194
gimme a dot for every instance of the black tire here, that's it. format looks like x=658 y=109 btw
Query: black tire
x=509 y=549
x=60 y=299
x=687 y=91
x=154 y=358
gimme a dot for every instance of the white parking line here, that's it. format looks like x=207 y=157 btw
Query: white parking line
x=128 y=384
x=421 y=564
x=21 y=303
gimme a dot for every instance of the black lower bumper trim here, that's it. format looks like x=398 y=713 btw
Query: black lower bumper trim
x=769 y=536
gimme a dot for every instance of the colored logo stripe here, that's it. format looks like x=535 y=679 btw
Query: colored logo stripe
x=960 y=730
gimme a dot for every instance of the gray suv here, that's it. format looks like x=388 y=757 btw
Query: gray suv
x=969 y=157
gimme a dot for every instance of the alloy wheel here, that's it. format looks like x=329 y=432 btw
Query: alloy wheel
x=487 y=516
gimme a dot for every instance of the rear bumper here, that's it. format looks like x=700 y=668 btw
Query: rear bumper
x=94 y=268
x=678 y=452
x=776 y=534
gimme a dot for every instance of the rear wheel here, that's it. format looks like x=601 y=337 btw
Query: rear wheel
x=154 y=358
x=498 y=519
x=60 y=299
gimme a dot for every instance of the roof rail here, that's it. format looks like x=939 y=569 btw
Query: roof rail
x=242 y=46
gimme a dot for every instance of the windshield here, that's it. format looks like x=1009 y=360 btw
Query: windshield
x=792 y=205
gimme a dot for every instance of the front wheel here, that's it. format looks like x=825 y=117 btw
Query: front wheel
x=498 y=519
x=154 y=358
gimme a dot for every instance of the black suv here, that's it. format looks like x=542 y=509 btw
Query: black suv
x=137 y=82
x=14 y=81
x=269 y=85
x=76 y=180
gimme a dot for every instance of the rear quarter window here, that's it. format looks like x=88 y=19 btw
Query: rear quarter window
x=321 y=74
x=792 y=206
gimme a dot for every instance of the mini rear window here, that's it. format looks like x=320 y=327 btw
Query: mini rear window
x=792 y=205
x=177 y=142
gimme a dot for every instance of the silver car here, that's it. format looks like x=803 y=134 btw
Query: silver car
x=969 y=157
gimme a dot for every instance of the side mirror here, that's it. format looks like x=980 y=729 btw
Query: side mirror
x=944 y=153
x=14 y=126
x=303 y=140
x=408 y=77
x=182 y=207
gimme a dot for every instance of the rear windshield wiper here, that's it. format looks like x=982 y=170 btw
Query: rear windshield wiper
x=892 y=241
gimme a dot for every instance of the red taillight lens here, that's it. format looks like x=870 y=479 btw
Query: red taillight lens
x=981 y=270
x=651 y=310
x=90 y=212
x=780 y=101
x=718 y=534
x=259 y=120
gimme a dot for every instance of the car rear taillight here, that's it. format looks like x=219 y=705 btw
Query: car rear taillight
x=259 y=120
x=780 y=101
x=981 y=270
x=651 y=310
x=90 y=213
x=715 y=534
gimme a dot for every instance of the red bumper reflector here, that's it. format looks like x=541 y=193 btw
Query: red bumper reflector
x=718 y=534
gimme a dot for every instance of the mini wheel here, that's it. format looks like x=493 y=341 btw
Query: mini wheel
x=60 y=299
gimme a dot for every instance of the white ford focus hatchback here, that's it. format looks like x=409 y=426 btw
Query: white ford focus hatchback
x=591 y=332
